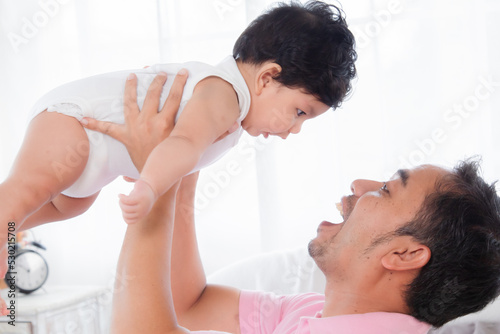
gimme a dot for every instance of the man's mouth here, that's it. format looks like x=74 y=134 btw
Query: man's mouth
x=340 y=208
x=326 y=223
x=346 y=206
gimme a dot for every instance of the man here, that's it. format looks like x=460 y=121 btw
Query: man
x=424 y=245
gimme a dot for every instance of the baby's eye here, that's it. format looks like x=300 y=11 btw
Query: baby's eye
x=384 y=188
x=300 y=112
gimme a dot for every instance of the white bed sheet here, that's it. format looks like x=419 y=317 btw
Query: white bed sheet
x=474 y=327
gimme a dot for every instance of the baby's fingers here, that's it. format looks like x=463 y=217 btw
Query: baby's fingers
x=129 y=179
x=126 y=202
x=129 y=211
x=130 y=218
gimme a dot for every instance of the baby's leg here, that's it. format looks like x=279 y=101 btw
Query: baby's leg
x=62 y=207
x=52 y=157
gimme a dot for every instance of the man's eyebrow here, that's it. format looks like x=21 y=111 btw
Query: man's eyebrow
x=403 y=175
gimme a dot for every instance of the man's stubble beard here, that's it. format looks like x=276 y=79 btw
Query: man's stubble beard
x=318 y=250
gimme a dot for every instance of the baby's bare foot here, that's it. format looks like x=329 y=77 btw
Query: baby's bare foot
x=3 y=254
x=3 y=263
x=3 y=308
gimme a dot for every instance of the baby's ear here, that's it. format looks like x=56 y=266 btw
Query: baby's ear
x=265 y=76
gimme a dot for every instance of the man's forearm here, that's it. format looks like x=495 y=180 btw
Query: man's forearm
x=142 y=298
x=188 y=276
x=198 y=306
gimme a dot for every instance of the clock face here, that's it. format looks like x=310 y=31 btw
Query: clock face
x=32 y=271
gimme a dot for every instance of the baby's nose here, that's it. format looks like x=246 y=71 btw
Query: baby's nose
x=283 y=135
x=296 y=128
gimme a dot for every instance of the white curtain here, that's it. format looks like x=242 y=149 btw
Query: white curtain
x=428 y=91
x=46 y=43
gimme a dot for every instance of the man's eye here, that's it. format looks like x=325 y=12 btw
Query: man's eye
x=384 y=188
x=300 y=112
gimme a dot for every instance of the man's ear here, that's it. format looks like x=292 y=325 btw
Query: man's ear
x=406 y=255
x=265 y=76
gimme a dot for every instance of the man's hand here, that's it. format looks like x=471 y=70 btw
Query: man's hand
x=145 y=129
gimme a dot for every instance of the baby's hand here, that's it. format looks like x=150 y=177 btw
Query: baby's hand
x=138 y=204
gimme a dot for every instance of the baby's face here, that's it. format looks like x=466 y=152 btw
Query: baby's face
x=280 y=110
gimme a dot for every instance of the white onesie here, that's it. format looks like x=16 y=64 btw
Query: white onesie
x=101 y=97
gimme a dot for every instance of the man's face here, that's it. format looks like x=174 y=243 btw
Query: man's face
x=375 y=209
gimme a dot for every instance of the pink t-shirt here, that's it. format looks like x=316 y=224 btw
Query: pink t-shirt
x=266 y=313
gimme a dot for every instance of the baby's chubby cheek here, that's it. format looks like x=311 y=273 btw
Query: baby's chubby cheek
x=280 y=122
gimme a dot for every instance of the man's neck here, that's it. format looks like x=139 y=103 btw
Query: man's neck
x=344 y=300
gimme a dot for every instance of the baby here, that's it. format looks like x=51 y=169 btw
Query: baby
x=291 y=64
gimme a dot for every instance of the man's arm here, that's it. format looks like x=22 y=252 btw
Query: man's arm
x=197 y=305
x=143 y=304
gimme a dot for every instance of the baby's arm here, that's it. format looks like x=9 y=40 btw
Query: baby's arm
x=212 y=111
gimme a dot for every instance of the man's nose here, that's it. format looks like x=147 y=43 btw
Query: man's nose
x=361 y=187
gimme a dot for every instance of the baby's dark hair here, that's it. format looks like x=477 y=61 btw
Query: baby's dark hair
x=311 y=43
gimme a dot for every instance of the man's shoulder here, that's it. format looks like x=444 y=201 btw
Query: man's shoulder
x=368 y=323
x=304 y=303
x=305 y=298
x=276 y=313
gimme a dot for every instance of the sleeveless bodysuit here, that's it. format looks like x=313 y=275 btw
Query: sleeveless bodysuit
x=101 y=97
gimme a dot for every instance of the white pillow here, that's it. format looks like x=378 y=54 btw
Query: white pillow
x=282 y=272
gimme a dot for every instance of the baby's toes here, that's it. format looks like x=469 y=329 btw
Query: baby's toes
x=3 y=308
x=3 y=262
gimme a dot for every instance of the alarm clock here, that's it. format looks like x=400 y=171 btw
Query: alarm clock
x=32 y=271
x=29 y=270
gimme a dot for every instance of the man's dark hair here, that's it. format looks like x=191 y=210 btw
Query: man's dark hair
x=460 y=223
x=310 y=42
